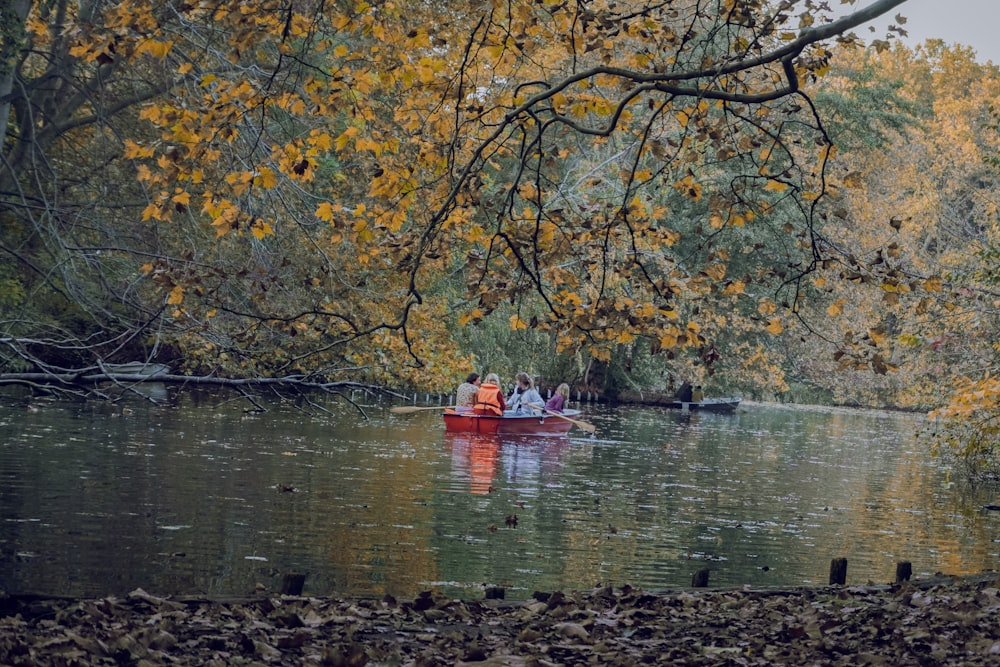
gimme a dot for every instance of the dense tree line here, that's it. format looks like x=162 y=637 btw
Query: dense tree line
x=622 y=194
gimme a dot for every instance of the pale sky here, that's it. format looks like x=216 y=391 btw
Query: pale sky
x=974 y=23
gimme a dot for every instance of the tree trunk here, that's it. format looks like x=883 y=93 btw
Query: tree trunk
x=13 y=16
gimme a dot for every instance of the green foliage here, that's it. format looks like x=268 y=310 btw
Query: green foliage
x=12 y=292
x=499 y=348
x=874 y=111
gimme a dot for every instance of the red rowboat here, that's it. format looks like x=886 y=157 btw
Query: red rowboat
x=509 y=424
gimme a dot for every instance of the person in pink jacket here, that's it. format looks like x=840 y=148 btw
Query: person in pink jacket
x=559 y=399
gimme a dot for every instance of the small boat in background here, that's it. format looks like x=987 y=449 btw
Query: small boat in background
x=727 y=404
x=510 y=423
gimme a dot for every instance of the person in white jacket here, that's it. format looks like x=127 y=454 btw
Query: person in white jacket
x=525 y=396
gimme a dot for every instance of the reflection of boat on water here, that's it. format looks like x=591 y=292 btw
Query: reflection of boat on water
x=510 y=424
x=477 y=458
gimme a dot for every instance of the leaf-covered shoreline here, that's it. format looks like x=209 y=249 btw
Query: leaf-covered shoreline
x=941 y=621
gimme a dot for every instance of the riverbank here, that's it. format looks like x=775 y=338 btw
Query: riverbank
x=941 y=621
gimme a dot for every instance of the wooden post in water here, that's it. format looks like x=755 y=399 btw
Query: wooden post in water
x=700 y=579
x=838 y=571
x=904 y=570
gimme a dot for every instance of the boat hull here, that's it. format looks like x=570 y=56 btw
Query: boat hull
x=708 y=405
x=509 y=424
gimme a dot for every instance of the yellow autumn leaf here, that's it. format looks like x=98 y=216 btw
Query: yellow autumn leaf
x=767 y=307
x=878 y=335
x=570 y=298
x=600 y=353
x=715 y=272
x=517 y=323
x=155 y=48
x=933 y=285
x=325 y=211
x=152 y=211
x=321 y=140
x=625 y=337
x=775 y=186
x=345 y=138
x=83 y=52
x=689 y=187
x=369 y=145
x=176 y=296
x=734 y=288
x=836 y=308
x=774 y=327
x=261 y=229
x=266 y=179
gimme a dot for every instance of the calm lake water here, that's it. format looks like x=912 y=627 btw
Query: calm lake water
x=200 y=497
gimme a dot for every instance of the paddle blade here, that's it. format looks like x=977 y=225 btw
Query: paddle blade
x=407 y=409
x=589 y=428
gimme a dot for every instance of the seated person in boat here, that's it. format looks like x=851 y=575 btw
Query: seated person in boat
x=465 y=396
x=684 y=394
x=489 y=398
x=525 y=396
x=698 y=395
x=559 y=399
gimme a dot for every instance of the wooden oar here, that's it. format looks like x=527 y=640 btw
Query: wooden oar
x=589 y=428
x=407 y=409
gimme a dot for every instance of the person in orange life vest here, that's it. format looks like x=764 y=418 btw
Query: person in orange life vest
x=490 y=400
